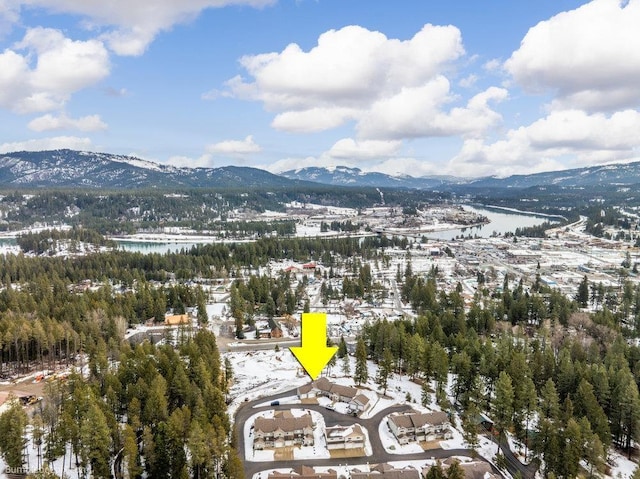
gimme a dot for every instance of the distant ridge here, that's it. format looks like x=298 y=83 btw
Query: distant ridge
x=71 y=168
x=103 y=170
x=619 y=173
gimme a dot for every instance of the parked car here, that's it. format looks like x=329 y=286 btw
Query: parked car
x=275 y=403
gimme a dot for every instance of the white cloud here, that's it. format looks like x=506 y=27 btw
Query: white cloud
x=203 y=161
x=63 y=122
x=350 y=149
x=563 y=139
x=391 y=88
x=53 y=143
x=313 y=119
x=62 y=67
x=344 y=152
x=589 y=57
x=134 y=24
x=406 y=166
x=468 y=81
x=235 y=147
x=417 y=112
x=9 y=15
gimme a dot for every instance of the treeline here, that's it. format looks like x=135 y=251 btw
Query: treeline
x=48 y=241
x=568 y=396
x=157 y=412
x=201 y=261
x=126 y=211
x=47 y=324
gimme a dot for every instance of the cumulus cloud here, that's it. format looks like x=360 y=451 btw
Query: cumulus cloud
x=9 y=15
x=589 y=57
x=350 y=149
x=235 y=147
x=417 y=112
x=344 y=152
x=53 y=143
x=203 y=161
x=63 y=122
x=61 y=66
x=132 y=25
x=563 y=139
x=391 y=88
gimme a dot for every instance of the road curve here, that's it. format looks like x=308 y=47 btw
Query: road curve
x=332 y=418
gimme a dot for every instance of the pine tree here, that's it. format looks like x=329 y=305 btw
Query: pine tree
x=470 y=425
x=95 y=442
x=455 y=471
x=503 y=402
x=131 y=452
x=342 y=348
x=13 y=423
x=582 y=297
x=425 y=394
x=346 y=368
x=385 y=369
x=361 y=374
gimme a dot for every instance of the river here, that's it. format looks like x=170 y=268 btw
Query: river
x=501 y=222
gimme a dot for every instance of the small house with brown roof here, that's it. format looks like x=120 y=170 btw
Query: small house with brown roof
x=176 y=319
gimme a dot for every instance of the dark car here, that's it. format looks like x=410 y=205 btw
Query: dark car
x=275 y=403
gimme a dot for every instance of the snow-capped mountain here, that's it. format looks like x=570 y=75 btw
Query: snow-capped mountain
x=102 y=170
x=619 y=173
x=345 y=176
x=72 y=168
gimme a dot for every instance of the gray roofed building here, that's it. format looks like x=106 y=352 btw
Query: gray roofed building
x=283 y=429
x=386 y=471
x=415 y=426
x=304 y=472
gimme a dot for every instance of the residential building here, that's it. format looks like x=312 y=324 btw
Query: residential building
x=345 y=437
x=304 y=472
x=386 y=471
x=282 y=430
x=414 y=426
x=324 y=387
x=359 y=404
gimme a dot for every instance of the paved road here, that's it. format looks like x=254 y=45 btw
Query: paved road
x=332 y=418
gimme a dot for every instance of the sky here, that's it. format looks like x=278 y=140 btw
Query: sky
x=467 y=88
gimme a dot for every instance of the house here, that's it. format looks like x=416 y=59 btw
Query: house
x=282 y=430
x=264 y=333
x=414 y=426
x=304 y=472
x=344 y=437
x=359 y=404
x=325 y=388
x=176 y=319
x=472 y=470
x=386 y=471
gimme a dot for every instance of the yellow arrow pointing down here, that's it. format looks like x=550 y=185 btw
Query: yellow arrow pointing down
x=314 y=353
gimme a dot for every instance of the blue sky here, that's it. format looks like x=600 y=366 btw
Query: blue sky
x=468 y=88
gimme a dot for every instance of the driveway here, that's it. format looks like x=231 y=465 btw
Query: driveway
x=333 y=418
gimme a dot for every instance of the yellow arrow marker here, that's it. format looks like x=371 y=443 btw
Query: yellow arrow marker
x=314 y=353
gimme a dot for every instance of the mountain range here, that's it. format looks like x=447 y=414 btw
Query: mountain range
x=70 y=168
